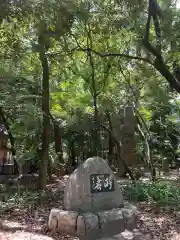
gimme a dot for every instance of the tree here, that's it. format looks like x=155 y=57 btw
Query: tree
x=70 y=69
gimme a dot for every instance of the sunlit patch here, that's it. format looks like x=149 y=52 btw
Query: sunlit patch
x=23 y=235
x=12 y=224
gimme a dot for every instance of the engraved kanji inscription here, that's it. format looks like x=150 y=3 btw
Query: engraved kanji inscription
x=101 y=183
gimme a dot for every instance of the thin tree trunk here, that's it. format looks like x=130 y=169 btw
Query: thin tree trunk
x=73 y=155
x=148 y=151
x=96 y=137
x=58 y=140
x=96 y=127
x=111 y=145
x=11 y=138
x=46 y=119
x=49 y=170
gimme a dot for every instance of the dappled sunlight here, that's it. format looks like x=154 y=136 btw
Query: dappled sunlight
x=163 y=225
x=82 y=79
x=12 y=225
x=22 y=235
x=174 y=236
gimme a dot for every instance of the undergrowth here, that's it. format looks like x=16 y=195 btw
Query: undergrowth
x=163 y=193
x=29 y=198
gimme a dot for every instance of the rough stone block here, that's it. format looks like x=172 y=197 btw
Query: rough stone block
x=129 y=214
x=87 y=225
x=53 y=222
x=63 y=221
x=130 y=206
x=111 y=222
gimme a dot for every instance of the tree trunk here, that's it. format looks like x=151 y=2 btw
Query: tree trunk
x=96 y=126
x=49 y=170
x=72 y=155
x=148 y=152
x=111 y=145
x=94 y=94
x=46 y=119
x=12 y=141
x=58 y=140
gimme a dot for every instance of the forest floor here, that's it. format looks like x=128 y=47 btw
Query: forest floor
x=28 y=220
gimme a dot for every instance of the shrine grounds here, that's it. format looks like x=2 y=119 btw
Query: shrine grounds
x=25 y=214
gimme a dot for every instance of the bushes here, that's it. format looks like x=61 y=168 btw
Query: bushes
x=29 y=198
x=165 y=193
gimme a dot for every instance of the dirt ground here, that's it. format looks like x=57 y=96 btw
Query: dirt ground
x=30 y=223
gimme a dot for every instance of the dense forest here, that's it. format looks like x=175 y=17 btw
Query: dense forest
x=76 y=75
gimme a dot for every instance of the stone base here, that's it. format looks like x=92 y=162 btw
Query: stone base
x=93 y=225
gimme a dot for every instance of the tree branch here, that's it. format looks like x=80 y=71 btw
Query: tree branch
x=112 y=54
x=151 y=49
x=100 y=54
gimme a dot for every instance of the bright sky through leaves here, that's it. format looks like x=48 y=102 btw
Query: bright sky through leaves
x=178 y=4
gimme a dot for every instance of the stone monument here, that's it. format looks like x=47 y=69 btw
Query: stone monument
x=93 y=204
